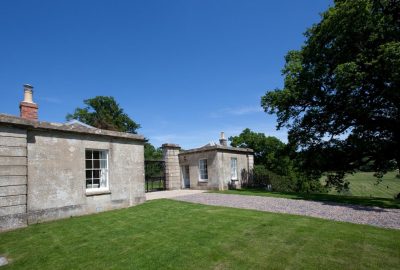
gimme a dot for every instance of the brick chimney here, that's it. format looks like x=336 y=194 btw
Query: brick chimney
x=222 y=140
x=28 y=109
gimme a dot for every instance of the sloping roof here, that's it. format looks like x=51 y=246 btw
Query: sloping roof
x=77 y=122
x=210 y=144
x=73 y=128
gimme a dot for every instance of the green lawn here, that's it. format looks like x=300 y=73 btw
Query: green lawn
x=166 y=234
x=364 y=184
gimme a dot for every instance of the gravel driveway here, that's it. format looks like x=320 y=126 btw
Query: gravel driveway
x=380 y=217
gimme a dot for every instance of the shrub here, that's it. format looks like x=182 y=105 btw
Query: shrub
x=260 y=177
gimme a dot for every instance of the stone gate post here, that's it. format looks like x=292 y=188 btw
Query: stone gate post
x=172 y=170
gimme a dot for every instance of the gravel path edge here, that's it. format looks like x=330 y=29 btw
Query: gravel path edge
x=375 y=216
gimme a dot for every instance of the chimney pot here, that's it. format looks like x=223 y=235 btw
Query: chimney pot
x=28 y=109
x=222 y=140
x=28 y=93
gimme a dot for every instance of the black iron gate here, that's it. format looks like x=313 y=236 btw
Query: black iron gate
x=154 y=175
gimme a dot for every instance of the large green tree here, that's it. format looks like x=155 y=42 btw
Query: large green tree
x=341 y=94
x=105 y=113
x=273 y=161
x=268 y=151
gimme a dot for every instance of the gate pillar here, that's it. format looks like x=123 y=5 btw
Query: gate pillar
x=172 y=170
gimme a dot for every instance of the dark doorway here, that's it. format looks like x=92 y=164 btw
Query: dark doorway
x=186 y=176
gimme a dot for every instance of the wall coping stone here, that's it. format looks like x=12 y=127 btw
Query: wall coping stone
x=170 y=146
x=41 y=125
x=219 y=148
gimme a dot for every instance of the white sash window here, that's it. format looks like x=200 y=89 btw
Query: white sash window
x=96 y=169
x=234 y=175
x=203 y=171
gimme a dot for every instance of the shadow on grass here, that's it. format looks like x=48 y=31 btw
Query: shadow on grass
x=321 y=197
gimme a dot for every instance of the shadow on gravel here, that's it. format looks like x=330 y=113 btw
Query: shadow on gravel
x=373 y=208
x=354 y=202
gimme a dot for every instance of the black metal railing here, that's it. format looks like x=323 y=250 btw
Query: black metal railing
x=154 y=175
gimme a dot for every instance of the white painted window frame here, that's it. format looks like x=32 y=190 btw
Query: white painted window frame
x=99 y=189
x=200 y=176
x=234 y=173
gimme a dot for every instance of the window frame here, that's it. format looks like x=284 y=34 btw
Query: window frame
x=235 y=176
x=106 y=159
x=206 y=167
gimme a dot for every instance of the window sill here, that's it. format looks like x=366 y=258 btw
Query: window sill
x=97 y=192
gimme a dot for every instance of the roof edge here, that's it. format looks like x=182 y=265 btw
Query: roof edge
x=171 y=146
x=218 y=148
x=41 y=125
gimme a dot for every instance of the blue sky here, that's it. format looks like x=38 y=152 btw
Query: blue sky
x=184 y=70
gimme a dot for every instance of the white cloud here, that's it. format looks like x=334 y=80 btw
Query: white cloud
x=50 y=100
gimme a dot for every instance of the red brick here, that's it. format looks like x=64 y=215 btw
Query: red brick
x=29 y=110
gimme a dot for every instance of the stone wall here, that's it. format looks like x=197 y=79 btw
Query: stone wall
x=13 y=177
x=219 y=167
x=172 y=169
x=192 y=160
x=244 y=163
x=43 y=171
x=56 y=165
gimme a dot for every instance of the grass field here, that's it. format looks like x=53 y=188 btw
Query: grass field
x=165 y=234
x=363 y=191
x=364 y=184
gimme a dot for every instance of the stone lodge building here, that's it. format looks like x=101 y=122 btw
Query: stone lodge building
x=50 y=170
x=213 y=166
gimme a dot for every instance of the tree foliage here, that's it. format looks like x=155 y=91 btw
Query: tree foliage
x=341 y=94
x=268 y=151
x=152 y=153
x=274 y=164
x=105 y=113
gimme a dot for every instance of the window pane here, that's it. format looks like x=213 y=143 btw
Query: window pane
x=88 y=154
x=103 y=154
x=88 y=183
x=88 y=164
x=103 y=164
x=96 y=173
x=96 y=154
x=103 y=179
x=96 y=183
x=96 y=164
x=88 y=174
